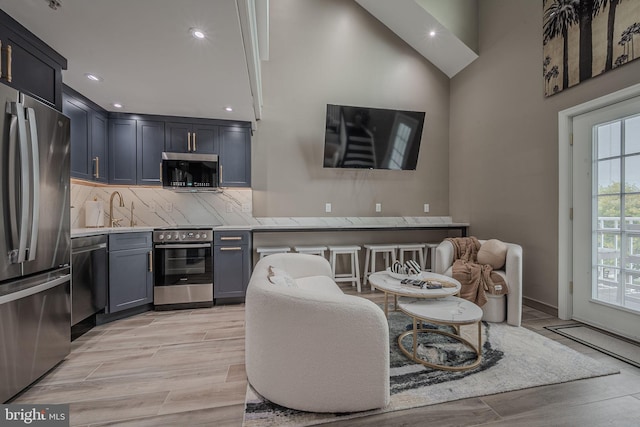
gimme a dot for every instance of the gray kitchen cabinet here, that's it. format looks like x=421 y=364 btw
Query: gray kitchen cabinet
x=231 y=264
x=122 y=151
x=135 y=151
x=183 y=137
x=30 y=65
x=150 y=145
x=89 y=129
x=130 y=270
x=235 y=156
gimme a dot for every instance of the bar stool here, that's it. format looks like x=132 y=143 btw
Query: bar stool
x=372 y=251
x=416 y=250
x=311 y=250
x=430 y=249
x=269 y=250
x=354 y=275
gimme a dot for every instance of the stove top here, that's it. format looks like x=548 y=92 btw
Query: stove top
x=184 y=235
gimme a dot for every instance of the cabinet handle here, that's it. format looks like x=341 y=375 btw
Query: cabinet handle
x=220 y=177
x=8 y=51
x=160 y=171
x=188 y=141
x=97 y=162
x=0 y=59
x=231 y=238
x=194 y=142
x=231 y=248
x=151 y=261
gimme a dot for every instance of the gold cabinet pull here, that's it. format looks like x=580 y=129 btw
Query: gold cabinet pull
x=151 y=261
x=160 y=171
x=194 y=142
x=0 y=59
x=231 y=248
x=231 y=238
x=188 y=141
x=220 y=177
x=8 y=50
x=96 y=160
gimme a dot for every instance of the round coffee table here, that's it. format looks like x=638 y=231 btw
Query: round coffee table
x=451 y=311
x=392 y=286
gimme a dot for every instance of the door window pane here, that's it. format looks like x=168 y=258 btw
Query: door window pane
x=632 y=135
x=608 y=140
x=632 y=173
x=609 y=176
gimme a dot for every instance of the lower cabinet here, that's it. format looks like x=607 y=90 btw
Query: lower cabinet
x=231 y=264
x=130 y=270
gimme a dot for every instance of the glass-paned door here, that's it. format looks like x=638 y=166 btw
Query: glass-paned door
x=606 y=223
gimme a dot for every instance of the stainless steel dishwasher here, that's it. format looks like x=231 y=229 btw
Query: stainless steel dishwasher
x=89 y=276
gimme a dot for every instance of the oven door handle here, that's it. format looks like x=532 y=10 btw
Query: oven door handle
x=183 y=246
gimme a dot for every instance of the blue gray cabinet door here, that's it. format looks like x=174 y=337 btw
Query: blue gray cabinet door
x=235 y=157
x=130 y=270
x=231 y=264
x=191 y=138
x=150 y=145
x=122 y=151
x=36 y=68
x=99 y=147
x=79 y=114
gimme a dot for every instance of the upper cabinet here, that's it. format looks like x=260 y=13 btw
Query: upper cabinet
x=235 y=156
x=30 y=65
x=135 y=150
x=191 y=138
x=88 y=137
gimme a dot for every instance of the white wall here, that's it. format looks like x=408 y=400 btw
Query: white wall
x=333 y=51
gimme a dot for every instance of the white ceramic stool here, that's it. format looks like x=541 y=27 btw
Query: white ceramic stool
x=354 y=275
x=387 y=251
x=269 y=250
x=416 y=250
x=430 y=249
x=311 y=250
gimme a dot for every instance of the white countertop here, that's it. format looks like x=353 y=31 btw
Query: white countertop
x=301 y=223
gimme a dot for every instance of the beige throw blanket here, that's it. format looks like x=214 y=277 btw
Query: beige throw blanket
x=476 y=279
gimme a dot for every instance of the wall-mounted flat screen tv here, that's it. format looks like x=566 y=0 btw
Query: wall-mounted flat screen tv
x=372 y=138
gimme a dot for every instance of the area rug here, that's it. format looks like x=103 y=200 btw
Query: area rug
x=620 y=348
x=513 y=359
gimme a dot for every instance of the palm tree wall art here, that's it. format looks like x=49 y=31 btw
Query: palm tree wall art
x=585 y=38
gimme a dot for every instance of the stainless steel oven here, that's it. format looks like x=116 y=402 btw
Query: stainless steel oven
x=184 y=268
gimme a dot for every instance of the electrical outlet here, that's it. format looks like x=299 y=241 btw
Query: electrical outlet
x=153 y=207
x=246 y=207
x=378 y=207
x=426 y=208
x=327 y=207
x=229 y=207
x=168 y=206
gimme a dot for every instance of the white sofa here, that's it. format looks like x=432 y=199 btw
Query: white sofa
x=311 y=347
x=494 y=309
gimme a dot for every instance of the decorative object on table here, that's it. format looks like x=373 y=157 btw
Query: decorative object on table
x=512 y=359
x=412 y=267
x=582 y=39
x=398 y=268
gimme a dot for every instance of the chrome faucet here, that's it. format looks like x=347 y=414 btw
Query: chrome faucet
x=115 y=222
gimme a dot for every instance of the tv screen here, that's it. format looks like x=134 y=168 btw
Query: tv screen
x=372 y=138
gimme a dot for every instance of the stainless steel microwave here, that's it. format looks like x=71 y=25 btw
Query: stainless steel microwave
x=189 y=171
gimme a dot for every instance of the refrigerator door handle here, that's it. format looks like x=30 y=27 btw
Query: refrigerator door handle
x=35 y=184
x=19 y=229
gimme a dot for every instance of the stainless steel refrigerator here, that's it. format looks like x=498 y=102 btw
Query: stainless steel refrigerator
x=35 y=241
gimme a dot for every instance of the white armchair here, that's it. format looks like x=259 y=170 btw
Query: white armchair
x=511 y=272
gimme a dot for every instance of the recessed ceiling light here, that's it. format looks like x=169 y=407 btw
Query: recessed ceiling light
x=197 y=33
x=93 y=77
x=432 y=33
x=229 y=109
x=117 y=105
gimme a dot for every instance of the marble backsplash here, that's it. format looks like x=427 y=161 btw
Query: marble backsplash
x=155 y=207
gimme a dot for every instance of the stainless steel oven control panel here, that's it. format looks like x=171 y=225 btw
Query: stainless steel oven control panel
x=183 y=236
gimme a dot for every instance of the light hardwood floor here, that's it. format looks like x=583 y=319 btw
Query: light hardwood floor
x=186 y=368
